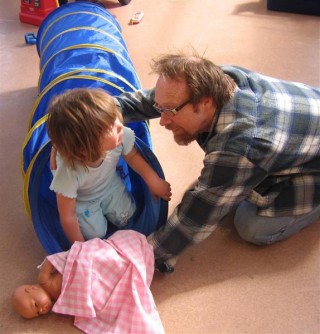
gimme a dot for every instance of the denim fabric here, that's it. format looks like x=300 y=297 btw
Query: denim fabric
x=268 y=230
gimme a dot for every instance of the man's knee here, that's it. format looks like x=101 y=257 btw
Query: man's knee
x=257 y=229
x=250 y=233
x=268 y=230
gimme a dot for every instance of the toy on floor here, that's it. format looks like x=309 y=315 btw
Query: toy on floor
x=34 y=11
x=80 y=46
x=123 y=2
x=88 y=137
x=119 y=303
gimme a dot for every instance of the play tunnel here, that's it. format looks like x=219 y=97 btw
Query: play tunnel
x=80 y=45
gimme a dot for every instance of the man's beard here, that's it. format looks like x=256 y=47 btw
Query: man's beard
x=181 y=137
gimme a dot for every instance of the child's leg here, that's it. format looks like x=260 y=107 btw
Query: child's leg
x=267 y=230
x=118 y=205
x=92 y=222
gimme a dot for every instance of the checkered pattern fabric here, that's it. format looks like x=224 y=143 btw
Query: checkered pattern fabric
x=106 y=285
x=264 y=146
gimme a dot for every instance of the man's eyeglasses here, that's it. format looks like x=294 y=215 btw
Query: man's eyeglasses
x=170 y=112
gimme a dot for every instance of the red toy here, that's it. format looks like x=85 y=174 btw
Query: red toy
x=34 y=11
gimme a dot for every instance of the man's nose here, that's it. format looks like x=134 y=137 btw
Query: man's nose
x=165 y=120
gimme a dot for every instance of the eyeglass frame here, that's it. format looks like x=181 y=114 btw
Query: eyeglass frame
x=171 y=112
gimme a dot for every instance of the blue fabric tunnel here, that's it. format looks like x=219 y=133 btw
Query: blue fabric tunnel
x=80 y=45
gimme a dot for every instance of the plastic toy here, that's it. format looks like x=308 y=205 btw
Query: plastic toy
x=30 y=38
x=137 y=17
x=80 y=45
x=34 y=11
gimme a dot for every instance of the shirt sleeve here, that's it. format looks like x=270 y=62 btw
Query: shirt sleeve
x=65 y=181
x=225 y=181
x=128 y=140
x=137 y=106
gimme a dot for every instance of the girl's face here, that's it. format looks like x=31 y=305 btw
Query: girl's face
x=112 y=138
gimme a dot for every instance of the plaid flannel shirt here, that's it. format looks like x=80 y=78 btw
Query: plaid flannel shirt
x=264 y=147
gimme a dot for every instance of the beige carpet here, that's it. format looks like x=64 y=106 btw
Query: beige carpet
x=222 y=286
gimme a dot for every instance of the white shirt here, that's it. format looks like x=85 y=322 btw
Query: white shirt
x=88 y=184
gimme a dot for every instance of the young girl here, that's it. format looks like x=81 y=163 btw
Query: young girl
x=86 y=130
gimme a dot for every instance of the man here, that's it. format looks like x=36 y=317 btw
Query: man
x=261 y=139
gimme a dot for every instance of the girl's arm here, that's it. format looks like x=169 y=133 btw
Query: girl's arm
x=157 y=186
x=68 y=218
x=53 y=158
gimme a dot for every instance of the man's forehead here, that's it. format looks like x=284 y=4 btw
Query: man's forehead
x=167 y=81
x=170 y=91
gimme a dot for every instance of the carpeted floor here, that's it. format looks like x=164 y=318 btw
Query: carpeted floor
x=223 y=285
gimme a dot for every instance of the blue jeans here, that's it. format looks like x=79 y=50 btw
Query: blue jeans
x=261 y=230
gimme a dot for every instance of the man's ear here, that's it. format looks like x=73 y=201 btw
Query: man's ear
x=207 y=103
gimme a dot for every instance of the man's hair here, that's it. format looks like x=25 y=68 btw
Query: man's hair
x=203 y=77
x=77 y=120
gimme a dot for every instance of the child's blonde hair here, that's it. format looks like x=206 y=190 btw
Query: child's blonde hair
x=77 y=120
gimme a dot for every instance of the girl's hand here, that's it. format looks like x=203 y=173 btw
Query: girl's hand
x=160 y=188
